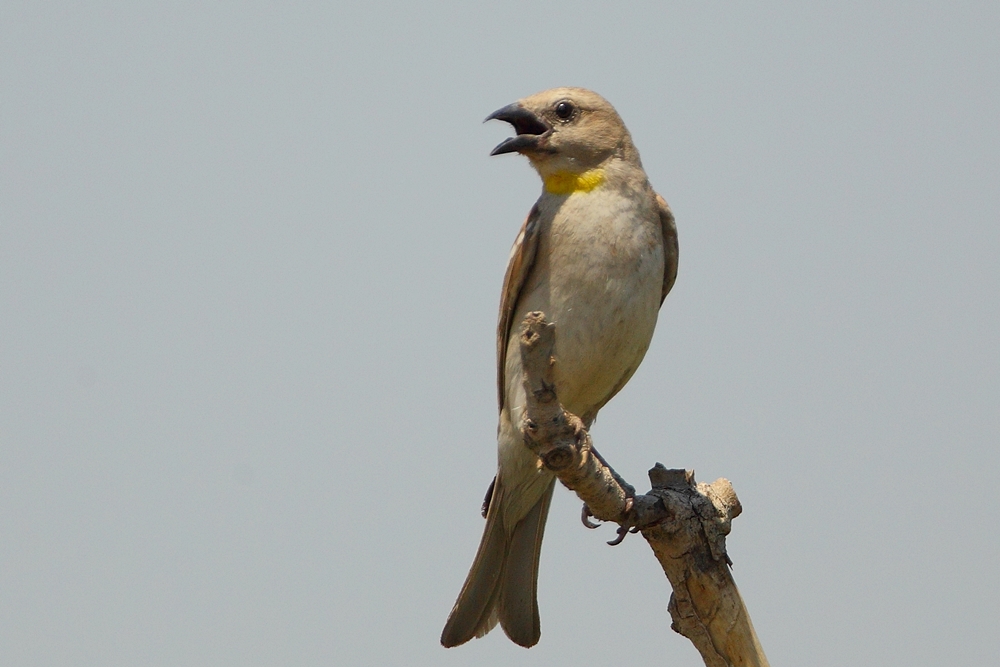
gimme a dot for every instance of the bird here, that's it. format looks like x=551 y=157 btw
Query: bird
x=597 y=254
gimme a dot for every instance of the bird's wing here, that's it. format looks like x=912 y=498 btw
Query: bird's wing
x=670 y=248
x=522 y=257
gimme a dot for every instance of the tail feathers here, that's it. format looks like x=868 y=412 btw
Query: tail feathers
x=475 y=611
x=503 y=581
x=519 y=584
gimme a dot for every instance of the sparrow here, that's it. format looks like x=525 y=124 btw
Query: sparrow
x=598 y=255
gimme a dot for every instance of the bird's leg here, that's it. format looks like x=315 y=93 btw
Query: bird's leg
x=629 y=520
x=629 y=489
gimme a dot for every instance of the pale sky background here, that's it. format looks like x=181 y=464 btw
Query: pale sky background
x=250 y=260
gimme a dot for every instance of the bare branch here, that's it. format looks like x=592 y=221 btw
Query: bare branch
x=685 y=523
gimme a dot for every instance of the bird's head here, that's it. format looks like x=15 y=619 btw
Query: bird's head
x=565 y=130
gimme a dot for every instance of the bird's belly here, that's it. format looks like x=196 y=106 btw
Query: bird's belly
x=602 y=290
x=599 y=344
x=599 y=353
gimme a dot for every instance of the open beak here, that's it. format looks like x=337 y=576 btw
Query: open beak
x=531 y=130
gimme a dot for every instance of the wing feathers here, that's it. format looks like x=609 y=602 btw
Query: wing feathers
x=522 y=258
x=670 y=247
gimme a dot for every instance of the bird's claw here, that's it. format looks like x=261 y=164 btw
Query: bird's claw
x=585 y=517
x=622 y=532
x=628 y=523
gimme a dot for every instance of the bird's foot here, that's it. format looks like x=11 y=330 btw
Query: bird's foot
x=629 y=522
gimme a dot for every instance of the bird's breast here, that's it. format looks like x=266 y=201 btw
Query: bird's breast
x=597 y=275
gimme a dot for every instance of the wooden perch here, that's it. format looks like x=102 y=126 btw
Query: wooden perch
x=685 y=523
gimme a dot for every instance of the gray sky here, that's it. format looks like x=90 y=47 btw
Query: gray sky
x=250 y=259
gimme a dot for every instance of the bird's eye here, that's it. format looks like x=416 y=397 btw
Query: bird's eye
x=564 y=110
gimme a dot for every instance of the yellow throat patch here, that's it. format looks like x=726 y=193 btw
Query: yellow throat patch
x=566 y=182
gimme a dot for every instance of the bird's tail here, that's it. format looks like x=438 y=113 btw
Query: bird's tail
x=503 y=582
